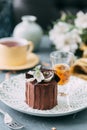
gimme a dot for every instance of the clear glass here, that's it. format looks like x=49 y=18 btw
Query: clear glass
x=61 y=62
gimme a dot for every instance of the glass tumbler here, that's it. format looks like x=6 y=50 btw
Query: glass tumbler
x=61 y=63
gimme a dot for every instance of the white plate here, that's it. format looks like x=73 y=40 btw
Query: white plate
x=12 y=93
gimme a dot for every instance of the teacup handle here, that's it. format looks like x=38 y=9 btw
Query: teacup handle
x=30 y=46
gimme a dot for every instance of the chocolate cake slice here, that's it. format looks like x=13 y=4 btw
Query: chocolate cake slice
x=42 y=95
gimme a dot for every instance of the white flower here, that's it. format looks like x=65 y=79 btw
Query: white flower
x=37 y=74
x=81 y=20
x=57 y=34
x=61 y=27
x=65 y=38
x=72 y=39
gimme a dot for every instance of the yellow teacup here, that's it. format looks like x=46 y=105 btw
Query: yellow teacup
x=14 y=51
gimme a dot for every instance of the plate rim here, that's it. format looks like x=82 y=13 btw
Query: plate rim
x=47 y=115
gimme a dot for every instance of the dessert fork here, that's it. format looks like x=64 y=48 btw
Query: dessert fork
x=10 y=122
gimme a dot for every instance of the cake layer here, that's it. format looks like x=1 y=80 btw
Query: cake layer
x=41 y=95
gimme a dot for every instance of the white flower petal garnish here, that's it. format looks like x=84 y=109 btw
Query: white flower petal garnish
x=49 y=78
x=30 y=79
x=30 y=72
x=38 y=76
x=38 y=67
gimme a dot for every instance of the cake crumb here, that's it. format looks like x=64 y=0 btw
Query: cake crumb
x=62 y=94
x=54 y=128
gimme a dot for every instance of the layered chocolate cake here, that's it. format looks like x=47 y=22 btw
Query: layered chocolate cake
x=41 y=89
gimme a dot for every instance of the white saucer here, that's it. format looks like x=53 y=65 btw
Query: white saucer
x=33 y=60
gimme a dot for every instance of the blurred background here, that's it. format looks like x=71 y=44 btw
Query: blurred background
x=46 y=12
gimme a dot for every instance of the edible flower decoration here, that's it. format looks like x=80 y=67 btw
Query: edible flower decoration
x=38 y=75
